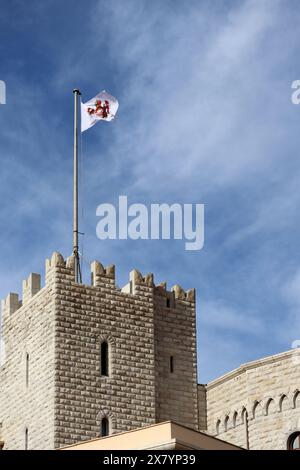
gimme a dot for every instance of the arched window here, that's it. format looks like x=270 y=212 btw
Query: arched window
x=256 y=410
x=244 y=415
x=283 y=403
x=218 y=426
x=104 y=427
x=234 y=419
x=26 y=438
x=104 y=364
x=270 y=407
x=226 y=423
x=294 y=441
x=296 y=399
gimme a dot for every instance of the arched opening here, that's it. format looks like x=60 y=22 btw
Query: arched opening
x=245 y=423
x=226 y=423
x=256 y=410
x=104 y=364
x=294 y=441
x=234 y=419
x=296 y=399
x=283 y=403
x=218 y=426
x=270 y=407
x=244 y=415
x=104 y=427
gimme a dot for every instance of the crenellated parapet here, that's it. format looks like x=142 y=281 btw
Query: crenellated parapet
x=181 y=294
x=176 y=293
x=100 y=276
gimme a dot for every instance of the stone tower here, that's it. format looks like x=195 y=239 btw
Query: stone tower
x=86 y=360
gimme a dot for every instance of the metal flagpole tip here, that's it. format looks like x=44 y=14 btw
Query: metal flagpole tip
x=76 y=91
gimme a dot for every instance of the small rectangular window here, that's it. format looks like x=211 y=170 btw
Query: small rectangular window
x=104 y=358
x=171 y=364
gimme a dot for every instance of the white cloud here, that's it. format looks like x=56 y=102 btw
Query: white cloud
x=217 y=314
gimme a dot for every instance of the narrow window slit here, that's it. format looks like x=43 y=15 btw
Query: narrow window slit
x=104 y=359
x=27 y=370
x=171 y=364
x=26 y=438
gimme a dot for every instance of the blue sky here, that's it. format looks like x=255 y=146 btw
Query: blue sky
x=205 y=117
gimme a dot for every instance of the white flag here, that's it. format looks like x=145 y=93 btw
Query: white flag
x=101 y=108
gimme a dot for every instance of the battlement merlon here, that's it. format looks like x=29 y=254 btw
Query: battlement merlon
x=31 y=286
x=181 y=294
x=11 y=304
x=99 y=274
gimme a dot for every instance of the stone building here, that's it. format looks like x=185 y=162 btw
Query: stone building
x=82 y=361
x=257 y=406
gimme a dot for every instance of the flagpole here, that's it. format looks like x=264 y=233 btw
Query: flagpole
x=75 y=188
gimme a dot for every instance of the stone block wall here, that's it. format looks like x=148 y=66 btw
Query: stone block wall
x=258 y=404
x=86 y=316
x=202 y=407
x=176 y=356
x=27 y=367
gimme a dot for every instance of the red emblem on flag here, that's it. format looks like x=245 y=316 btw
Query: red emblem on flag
x=101 y=109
